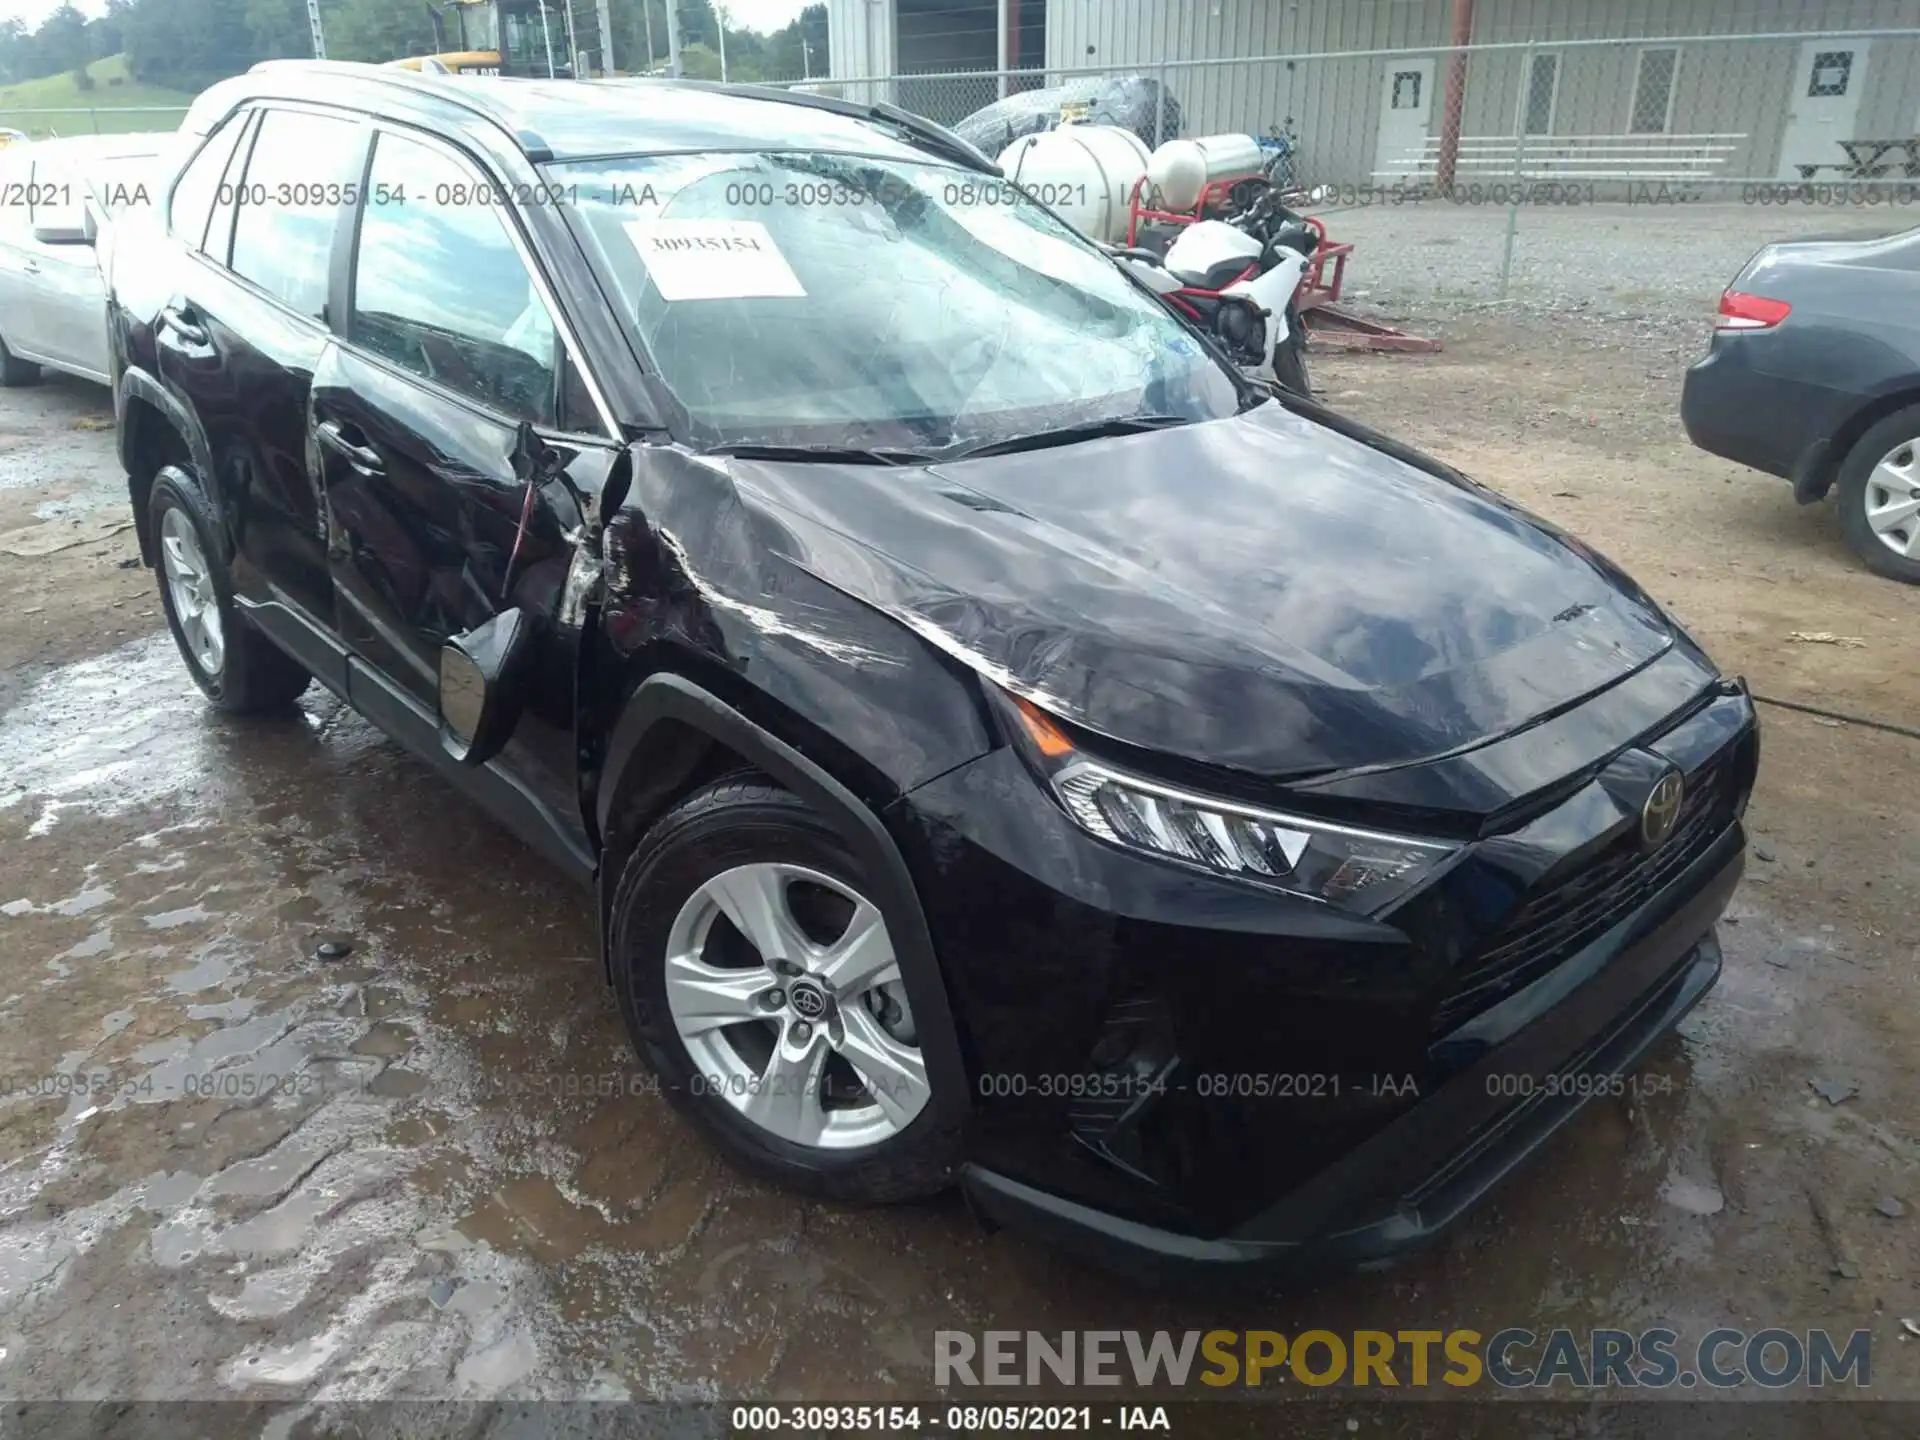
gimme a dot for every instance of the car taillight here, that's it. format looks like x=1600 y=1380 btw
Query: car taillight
x=1741 y=311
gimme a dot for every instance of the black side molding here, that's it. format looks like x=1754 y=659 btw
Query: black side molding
x=670 y=697
x=297 y=633
x=492 y=785
x=1813 y=471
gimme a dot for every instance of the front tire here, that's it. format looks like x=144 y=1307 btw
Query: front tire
x=240 y=669
x=759 y=983
x=1879 y=496
x=1290 y=360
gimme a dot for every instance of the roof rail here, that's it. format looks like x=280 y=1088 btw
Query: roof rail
x=931 y=136
x=536 y=147
x=300 y=63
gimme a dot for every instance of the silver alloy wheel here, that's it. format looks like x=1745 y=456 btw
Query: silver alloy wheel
x=1892 y=500
x=765 y=1034
x=195 y=605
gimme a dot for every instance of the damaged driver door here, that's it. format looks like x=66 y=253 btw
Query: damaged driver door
x=452 y=485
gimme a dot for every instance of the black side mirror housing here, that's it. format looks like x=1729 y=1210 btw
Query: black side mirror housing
x=483 y=677
x=1300 y=237
x=83 y=233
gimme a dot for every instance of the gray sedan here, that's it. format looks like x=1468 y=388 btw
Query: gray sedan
x=1814 y=375
x=58 y=199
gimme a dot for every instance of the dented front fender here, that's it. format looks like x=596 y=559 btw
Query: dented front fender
x=697 y=579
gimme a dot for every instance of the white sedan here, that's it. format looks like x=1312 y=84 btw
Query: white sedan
x=58 y=199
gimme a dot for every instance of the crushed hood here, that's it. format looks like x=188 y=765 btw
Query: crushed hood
x=1260 y=592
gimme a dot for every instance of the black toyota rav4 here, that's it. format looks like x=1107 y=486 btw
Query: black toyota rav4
x=1006 y=749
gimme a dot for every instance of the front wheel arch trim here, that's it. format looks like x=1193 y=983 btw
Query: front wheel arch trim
x=138 y=385
x=672 y=698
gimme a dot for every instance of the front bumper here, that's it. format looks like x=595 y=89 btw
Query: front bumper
x=1111 y=1008
x=1399 y=1190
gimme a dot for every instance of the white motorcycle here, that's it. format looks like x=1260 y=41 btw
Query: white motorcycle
x=1240 y=284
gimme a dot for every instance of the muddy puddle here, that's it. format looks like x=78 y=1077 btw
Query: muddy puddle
x=427 y=1169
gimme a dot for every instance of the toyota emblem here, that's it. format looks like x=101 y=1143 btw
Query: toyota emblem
x=809 y=1001
x=1662 y=810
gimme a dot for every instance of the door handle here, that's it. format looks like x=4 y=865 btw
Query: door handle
x=363 y=458
x=181 y=322
x=31 y=267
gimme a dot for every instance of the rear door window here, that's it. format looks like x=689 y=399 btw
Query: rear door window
x=302 y=170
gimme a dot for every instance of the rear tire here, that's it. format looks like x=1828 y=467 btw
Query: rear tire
x=15 y=371
x=1879 y=497
x=240 y=669
x=719 y=1021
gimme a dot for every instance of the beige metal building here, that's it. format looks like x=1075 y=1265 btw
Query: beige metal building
x=1363 y=85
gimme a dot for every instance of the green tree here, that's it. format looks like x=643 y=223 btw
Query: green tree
x=106 y=35
x=188 y=44
x=751 y=54
x=698 y=26
x=640 y=34
x=14 y=47
x=378 y=30
x=697 y=62
x=797 y=49
x=280 y=29
x=62 y=41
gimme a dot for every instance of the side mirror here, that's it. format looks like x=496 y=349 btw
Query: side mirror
x=483 y=684
x=81 y=233
x=1302 y=239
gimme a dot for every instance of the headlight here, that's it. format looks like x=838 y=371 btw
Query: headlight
x=1359 y=870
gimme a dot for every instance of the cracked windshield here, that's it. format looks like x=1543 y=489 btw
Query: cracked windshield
x=845 y=301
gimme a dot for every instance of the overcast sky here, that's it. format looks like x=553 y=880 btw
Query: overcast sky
x=754 y=14
x=745 y=14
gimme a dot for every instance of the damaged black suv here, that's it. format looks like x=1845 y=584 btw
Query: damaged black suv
x=1006 y=749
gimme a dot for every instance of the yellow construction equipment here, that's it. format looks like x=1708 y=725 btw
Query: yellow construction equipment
x=495 y=37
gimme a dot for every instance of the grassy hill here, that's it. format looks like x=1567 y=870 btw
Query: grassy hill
x=113 y=101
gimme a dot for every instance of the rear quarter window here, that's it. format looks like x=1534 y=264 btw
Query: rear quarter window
x=194 y=191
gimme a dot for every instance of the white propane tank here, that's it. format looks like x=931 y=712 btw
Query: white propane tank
x=1086 y=173
x=1181 y=169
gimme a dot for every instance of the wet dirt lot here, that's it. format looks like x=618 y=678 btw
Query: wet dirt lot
x=430 y=1169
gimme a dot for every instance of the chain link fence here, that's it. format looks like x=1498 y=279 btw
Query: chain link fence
x=1715 y=112
x=48 y=122
x=1565 y=172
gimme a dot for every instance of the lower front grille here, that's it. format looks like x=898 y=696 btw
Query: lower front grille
x=1579 y=909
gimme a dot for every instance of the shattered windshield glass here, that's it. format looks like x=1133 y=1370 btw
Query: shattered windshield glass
x=839 y=300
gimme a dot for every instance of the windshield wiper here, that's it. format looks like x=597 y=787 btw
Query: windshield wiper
x=934 y=139
x=819 y=454
x=1067 y=435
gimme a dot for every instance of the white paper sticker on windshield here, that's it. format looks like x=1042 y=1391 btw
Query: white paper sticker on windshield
x=713 y=259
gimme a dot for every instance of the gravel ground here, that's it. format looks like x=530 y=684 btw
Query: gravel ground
x=1657 y=268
